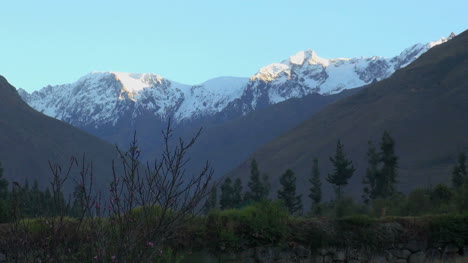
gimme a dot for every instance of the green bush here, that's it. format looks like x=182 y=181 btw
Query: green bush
x=441 y=194
x=449 y=229
x=461 y=198
x=419 y=203
x=257 y=224
x=351 y=208
x=393 y=206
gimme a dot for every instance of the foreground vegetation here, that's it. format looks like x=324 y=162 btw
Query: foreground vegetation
x=154 y=213
x=265 y=224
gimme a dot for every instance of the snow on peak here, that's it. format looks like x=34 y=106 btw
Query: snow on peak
x=99 y=98
x=298 y=58
x=133 y=82
x=302 y=59
x=412 y=53
x=308 y=56
x=210 y=97
x=441 y=40
x=314 y=59
x=218 y=85
x=271 y=72
x=305 y=72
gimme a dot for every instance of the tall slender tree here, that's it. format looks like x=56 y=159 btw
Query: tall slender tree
x=388 y=172
x=35 y=199
x=225 y=201
x=371 y=179
x=343 y=170
x=287 y=193
x=459 y=173
x=79 y=201
x=266 y=186
x=211 y=200
x=316 y=188
x=3 y=197
x=237 y=193
x=48 y=201
x=3 y=185
x=258 y=190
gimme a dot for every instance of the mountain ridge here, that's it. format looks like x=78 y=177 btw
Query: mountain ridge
x=288 y=96
x=101 y=98
x=423 y=106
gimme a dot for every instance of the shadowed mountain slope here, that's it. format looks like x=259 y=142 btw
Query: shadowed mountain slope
x=29 y=139
x=424 y=106
x=228 y=144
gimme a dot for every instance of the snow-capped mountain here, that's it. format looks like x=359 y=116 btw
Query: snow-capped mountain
x=306 y=72
x=107 y=98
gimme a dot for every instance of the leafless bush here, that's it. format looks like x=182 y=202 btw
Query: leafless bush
x=149 y=203
x=144 y=208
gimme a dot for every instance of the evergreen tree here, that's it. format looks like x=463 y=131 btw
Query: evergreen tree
x=316 y=189
x=14 y=201
x=226 y=201
x=60 y=206
x=3 y=197
x=35 y=199
x=266 y=186
x=79 y=201
x=26 y=199
x=343 y=171
x=388 y=173
x=237 y=194
x=258 y=191
x=459 y=173
x=48 y=201
x=287 y=193
x=3 y=185
x=462 y=164
x=371 y=179
x=211 y=201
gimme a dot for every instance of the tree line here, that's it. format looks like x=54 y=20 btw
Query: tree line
x=379 y=183
x=379 y=187
x=26 y=201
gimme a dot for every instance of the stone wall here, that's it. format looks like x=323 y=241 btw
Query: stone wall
x=412 y=252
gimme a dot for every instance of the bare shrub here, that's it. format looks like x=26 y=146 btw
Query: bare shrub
x=144 y=208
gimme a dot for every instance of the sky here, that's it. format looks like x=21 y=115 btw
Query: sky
x=52 y=42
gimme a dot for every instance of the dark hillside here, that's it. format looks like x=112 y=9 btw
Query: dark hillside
x=29 y=139
x=424 y=106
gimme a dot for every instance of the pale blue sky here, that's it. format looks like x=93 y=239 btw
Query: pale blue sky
x=56 y=42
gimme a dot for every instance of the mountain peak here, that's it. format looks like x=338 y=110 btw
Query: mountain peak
x=441 y=40
x=135 y=82
x=102 y=97
x=309 y=56
x=314 y=59
x=131 y=82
